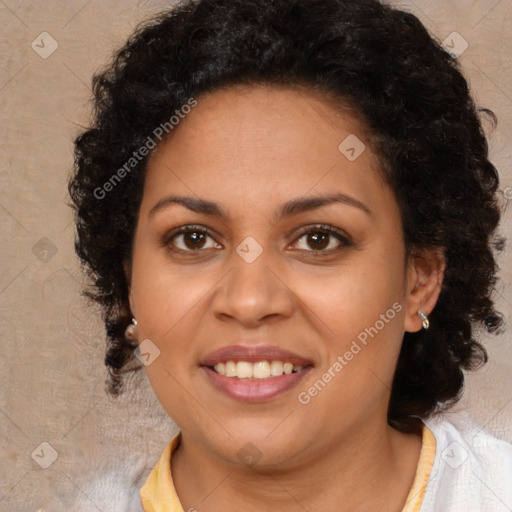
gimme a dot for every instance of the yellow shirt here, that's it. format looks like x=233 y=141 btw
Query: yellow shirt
x=159 y=495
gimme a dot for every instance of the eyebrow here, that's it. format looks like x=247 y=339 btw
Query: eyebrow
x=192 y=203
x=304 y=204
x=293 y=207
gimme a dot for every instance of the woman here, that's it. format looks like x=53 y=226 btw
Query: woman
x=288 y=213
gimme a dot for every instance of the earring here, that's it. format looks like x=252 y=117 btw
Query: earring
x=424 y=319
x=131 y=332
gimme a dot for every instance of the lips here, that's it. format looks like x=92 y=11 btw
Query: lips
x=254 y=389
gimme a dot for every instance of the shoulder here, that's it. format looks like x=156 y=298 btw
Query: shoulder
x=472 y=469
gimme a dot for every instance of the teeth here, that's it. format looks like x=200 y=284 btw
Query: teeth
x=276 y=368
x=258 y=370
x=243 y=370
x=230 y=368
x=261 y=370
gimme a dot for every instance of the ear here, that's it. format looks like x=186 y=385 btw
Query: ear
x=425 y=272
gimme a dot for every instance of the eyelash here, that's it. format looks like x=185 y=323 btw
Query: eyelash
x=342 y=237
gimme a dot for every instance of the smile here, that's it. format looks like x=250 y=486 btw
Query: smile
x=254 y=372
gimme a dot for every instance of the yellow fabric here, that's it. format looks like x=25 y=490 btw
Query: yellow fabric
x=159 y=495
x=425 y=463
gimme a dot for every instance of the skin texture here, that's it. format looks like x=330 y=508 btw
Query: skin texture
x=251 y=149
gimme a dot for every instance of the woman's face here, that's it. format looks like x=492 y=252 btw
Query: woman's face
x=256 y=168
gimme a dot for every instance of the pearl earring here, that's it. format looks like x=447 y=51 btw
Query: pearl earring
x=424 y=319
x=131 y=332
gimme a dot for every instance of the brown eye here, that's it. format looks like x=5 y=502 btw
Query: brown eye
x=190 y=238
x=322 y=239
x=318 y=241
x=194 y=240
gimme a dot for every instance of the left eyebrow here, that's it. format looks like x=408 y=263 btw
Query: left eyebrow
x=305 y=204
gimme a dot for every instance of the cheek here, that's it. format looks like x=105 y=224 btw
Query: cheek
x=360 y=317
x=353 y=298
x=167 y=299
x=168 y=303
x=163 y=293
x=359 y=327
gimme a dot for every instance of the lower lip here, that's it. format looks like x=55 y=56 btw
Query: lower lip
x=255 y=390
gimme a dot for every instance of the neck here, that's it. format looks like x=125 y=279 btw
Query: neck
x=371 y=469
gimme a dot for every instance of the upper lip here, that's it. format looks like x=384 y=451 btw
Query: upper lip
x=253 y=354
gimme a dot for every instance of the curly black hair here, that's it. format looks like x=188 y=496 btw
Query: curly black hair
x=379 y=60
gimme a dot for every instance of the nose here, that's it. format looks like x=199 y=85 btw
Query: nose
x=253 y=293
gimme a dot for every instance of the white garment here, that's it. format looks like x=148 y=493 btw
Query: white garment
x=472 y=470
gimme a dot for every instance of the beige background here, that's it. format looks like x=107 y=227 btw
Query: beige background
x=51 y=370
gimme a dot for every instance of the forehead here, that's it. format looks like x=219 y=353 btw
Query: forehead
x=263 y=115
x=263 y=141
